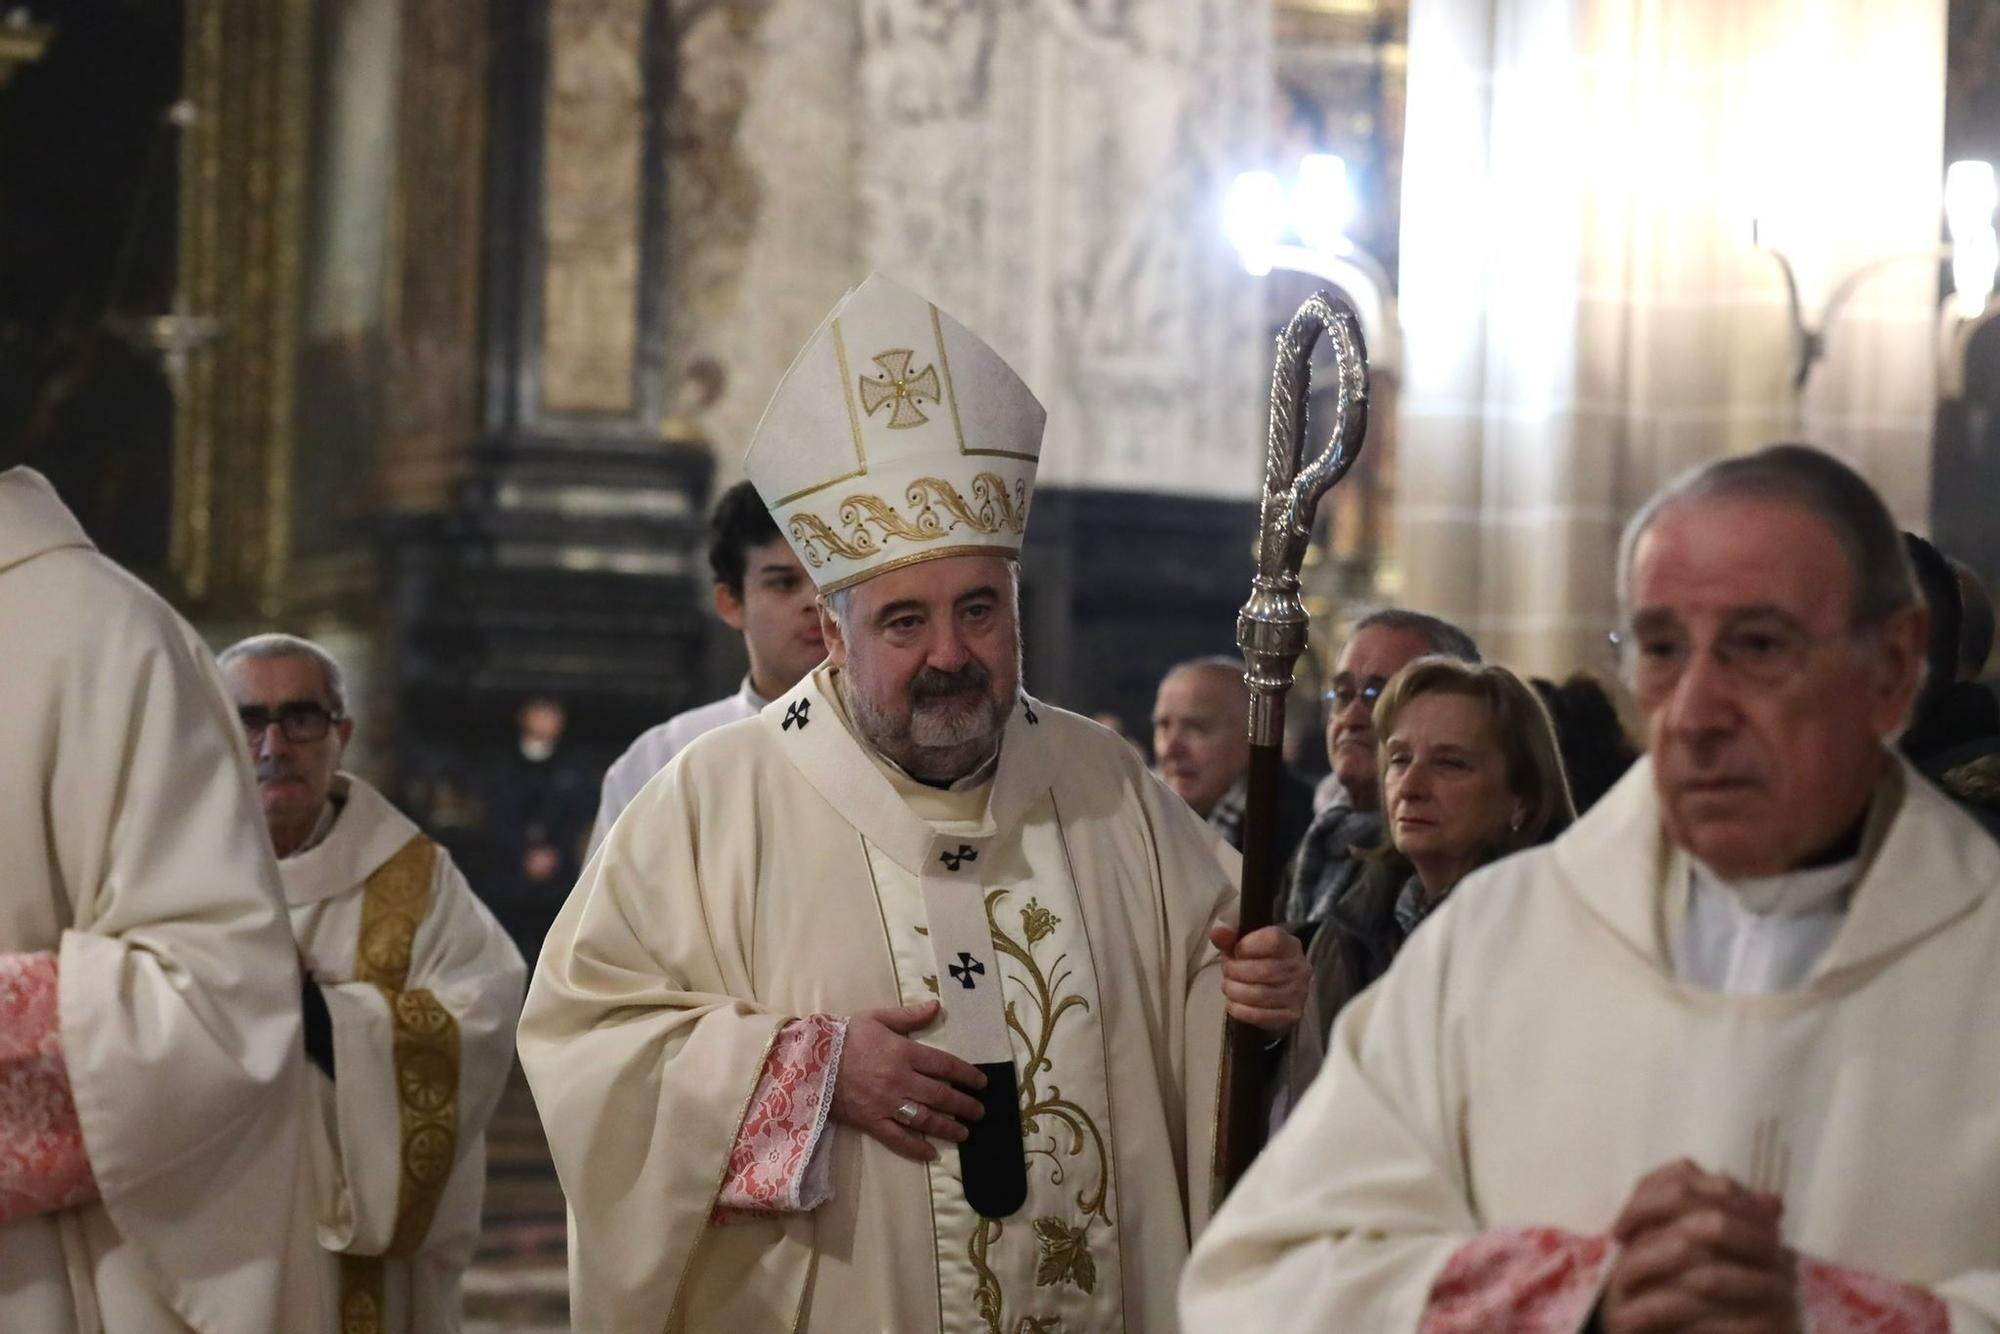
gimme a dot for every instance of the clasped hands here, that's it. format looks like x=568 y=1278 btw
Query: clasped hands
x=882 y=1068
x=1700 y=1251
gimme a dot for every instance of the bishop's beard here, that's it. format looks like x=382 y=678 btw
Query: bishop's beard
x=953 y=725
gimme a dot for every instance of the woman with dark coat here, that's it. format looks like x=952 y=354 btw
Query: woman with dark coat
x=1470 y=773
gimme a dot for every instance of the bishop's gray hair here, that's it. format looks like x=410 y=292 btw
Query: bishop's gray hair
x=1818 y=483
x=261 y=647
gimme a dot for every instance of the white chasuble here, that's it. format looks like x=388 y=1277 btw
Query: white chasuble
x=1532 y=1054
x=134 y=854
x=994 y=915
x=424 y=989
x=776 y=869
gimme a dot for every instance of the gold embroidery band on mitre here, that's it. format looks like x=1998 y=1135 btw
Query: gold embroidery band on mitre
x=994 y=510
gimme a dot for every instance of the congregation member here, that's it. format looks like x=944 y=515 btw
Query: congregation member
x=410 y=997
x=1201 y=744
x=152 y=1161
x=1469 y=773
x=535 y=800
x=898 y=1006
x=1596 y=749
x=1381 y=644
x=1711 y=1059
x=762 y=593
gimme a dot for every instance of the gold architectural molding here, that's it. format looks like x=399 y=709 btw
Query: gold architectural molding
x=21 y=43
x=242 y=210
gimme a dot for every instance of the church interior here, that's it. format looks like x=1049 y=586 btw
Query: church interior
x=433 y=331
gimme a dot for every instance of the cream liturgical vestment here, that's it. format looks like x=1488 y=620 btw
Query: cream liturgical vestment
x=777 y=869
x=424 y=989
x=1533 y=1053
x=136 y=859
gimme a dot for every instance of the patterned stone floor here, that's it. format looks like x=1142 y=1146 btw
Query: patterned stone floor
x=518 y=1283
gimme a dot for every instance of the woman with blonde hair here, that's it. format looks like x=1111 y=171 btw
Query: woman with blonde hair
x=1470 y=772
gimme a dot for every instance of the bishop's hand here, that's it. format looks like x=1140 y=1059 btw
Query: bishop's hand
x=1700 y=1251
x=1264 y=976
x=882 y=1070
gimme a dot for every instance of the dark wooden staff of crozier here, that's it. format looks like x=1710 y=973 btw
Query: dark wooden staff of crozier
x=1271 y=631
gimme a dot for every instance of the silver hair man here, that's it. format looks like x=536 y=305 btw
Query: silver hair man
x=1883 y=580
x=262 y=648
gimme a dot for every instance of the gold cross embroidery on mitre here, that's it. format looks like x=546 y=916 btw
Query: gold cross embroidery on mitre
x=896 y=386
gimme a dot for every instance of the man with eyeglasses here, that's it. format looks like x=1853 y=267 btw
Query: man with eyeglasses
x=152 y=1099
x=1719 y=1057
x=410 y=997
x=1382 y=643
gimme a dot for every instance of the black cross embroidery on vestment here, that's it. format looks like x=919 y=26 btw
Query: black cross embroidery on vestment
x=1033 y=717
x=797 y=714
x=952 y=859
x=963 y=970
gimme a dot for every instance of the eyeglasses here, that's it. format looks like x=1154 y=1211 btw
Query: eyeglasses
x=1341 y=698
x=301 y=723
x=1760 y=653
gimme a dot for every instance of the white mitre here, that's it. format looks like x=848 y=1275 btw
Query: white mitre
x=897 y=436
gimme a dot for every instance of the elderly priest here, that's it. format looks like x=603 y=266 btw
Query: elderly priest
x=152 y=1093
x=898 y=1006
x=1720 y=1057
x=410 y=997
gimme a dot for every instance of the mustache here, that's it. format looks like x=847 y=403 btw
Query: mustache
x=933 y=684
x=270 y=768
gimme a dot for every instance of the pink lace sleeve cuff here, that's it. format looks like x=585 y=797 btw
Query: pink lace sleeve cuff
x=1847 y=1301
x=1528 y=1280
x=779 y=1163
x=42 y=1163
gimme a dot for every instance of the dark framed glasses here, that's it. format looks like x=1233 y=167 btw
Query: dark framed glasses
x=300 y=722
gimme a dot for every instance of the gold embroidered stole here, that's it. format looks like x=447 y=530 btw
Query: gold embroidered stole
x=425 y=1054
x=1056 y=1264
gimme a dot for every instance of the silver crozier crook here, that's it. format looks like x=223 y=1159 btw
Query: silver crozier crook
x=1271 y=631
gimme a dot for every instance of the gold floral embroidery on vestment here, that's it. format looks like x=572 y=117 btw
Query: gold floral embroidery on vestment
x=936 y=508
x=425 y=1055
x=898 y=387
x=1067 y=1130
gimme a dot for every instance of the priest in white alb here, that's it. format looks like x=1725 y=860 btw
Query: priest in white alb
x=410 y=996
x=899 y=1005
x=1721 y=1057
x=152 y=1090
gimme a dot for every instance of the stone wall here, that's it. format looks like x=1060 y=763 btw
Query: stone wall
x=1050 y=171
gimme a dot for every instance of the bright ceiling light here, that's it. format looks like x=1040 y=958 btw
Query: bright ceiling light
x=1971 y=194
x=1322 y=202
x=1253 y=218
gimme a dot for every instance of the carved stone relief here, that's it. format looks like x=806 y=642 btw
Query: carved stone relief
x=591 y=219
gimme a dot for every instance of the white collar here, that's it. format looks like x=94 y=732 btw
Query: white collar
x=1819 y=889
x=747 y=695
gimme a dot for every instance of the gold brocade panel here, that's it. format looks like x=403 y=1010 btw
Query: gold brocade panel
x=426 y=1060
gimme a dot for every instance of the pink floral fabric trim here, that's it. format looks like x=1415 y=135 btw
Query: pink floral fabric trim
x=1526 y=1280
x=1847 y=1301
x=779 y=1163
x=42 y=1163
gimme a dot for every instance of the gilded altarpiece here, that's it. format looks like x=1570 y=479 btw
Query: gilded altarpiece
x=330 y=219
